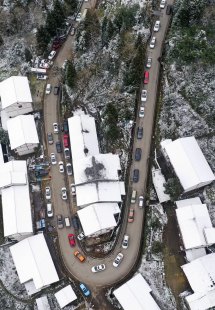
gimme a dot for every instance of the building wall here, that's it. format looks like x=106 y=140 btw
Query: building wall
x=19 y=109
x=20 y=237
x=26 y=148
x=101 y=232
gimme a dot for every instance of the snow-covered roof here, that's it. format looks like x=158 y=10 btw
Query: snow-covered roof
x=83 y=136
x=135 y=294
x=22 y=130
x=195 y=226
x=158 y=182
x=15 y=89
x=36 y=264
x=98 y=216
x=188 y=202
x=201 y=276
x=189 y=163
x=65 y=296
x=16 y=204
x=195 y=253
x=42 y=303
x=106 y=191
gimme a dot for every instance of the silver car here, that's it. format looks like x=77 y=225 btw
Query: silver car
x=63 y=193
x=118 y=260
x=98 y=268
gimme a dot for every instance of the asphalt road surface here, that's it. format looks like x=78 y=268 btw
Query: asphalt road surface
x=82 y=271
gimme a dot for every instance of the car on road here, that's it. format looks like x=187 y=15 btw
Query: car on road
x=58 y=147
x=66 y=140
x=63 y=193
x=50 y=138
x=141 y=201
x=65 y=126
x=55 y=127
x=98 y=268
x=72 y=32
x=49 y=210
x=169 y=9
x=125 y=242
x=73 y=190
x=85 y=289
x=149 y=62
x=118 y=260
x=60 y=221
x=139 y=132
x=56 y=90
x=71 y=238
x=162 y=4
x=69 y=169
x=48 y=192
x=157 y=26
x=67 y=153
x=152 y=43
x=51 y=55
x=48 y=89
x=53 y=159
x=78 y=17
x=75 y=222
x=79 y=256
x=136 y=175
x=131 y=216
x=138 y=154
x=141 y=112
x=144 y=95
x=146 y=77
x=81 y=236
x=61 y=167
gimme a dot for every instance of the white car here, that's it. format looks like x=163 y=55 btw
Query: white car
x=48 y=192
x=125 y=242
x=142 y=112
x=144 y=95
x=149 y=62
x=81 y=236
x=98 y=268
x=49 y=210
x=118 y=260
x=61 y=167
x=162 y=4
x=52 y=55
x=63 y=193
x=78 y=17
x=48 y=89
x=53 y=159
x=55 y=127
x=152 y=43
x=73 y=190
x=141 y=201
x=69 y=169
x=157 y=26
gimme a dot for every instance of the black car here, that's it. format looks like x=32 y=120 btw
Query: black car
x=139 y=132
x=50 y=138
x=56 y=90
x=65 y=126
x=75 y=222
x=58 y=147
x=60 y=221
x=136 y=175
x=138 y=153
x=169 y=9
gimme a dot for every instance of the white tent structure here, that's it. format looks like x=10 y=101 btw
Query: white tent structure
x=201 y=276
x=34 y=263
x=23 y=134
x=16 y=206
x=158 y=182
x=189 y=163
x=135 y=294
x=65 y=296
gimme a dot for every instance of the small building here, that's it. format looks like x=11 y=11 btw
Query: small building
x=200 y=274
x=65 y=296
x=136 y=294
x=22 y=134
x=158 y=182
x=189 y=163
x=42 y=303
x=35 y=268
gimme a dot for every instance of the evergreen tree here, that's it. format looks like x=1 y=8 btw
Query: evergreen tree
x=43 y=38
x=70 y=74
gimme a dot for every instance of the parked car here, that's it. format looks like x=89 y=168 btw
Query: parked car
x=139 y=132
x=136 y=175
x=67 y=153
x=52 y=55
x=149 y=62
x=118 y=260
x=56 y=90
x=75 y=222
x=81 y=236
x=58 y=147
x=131 y=216
x=141 y=202
x=49 y=210
x=50 y=138
x=138 y=154
x=71 y=238
x=42 y=77
x=157 y=26
x=141 y=112
x=48 y=89
x=53 y=159
x=162 y=4
x=169 y=9
x=65 y=126
x=78 y=17
x=48 y=192
x=98 y=268
x=61 y=167
x=60 y=221
x=146 y=77
x=79 y=256
x=72 y=32
x=84 y=289
x=66 y=140
x=69 y=169
x=73 y=190
x=55 y=127
x=152 y=43
x=67 y=221
x=63 y=193
x=144 y=95
x=125 y=242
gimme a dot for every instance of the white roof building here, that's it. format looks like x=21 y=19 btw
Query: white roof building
x=98 y=218
x=65 y=296
x=42 y=303
x=35 y=268
x=189 y=163
x=201 y=276
x=136 y=294
x=158 y=182
x=23 y=134
x=16 y=206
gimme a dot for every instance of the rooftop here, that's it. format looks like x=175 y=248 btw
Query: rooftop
x=65 y=296
x=158 y=182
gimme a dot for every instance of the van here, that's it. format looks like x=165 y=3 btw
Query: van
x=49 y=210
x=67 y=222
x=141 y=202
x=133 y=196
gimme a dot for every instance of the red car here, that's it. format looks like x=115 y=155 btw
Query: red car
x=71 y=238
x=66 y=140
x=146 y=77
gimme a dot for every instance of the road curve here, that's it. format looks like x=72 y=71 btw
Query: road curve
x=82 y=271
